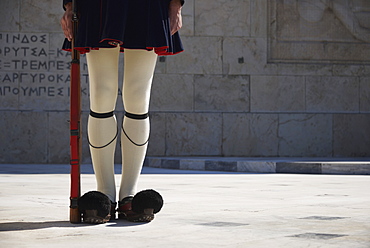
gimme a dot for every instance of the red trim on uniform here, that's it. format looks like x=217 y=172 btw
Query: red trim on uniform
x=161 y=51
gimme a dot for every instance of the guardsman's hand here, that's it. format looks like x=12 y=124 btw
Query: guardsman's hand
x=175 y=16
x=66 y=21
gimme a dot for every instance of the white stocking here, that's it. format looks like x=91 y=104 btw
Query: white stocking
x=102 y=130
x=138 y=75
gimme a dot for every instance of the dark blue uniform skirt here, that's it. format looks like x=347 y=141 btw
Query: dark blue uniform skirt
x=133 y=24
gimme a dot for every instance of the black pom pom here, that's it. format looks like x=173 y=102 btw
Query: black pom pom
x=95 y=200
x=147 y=199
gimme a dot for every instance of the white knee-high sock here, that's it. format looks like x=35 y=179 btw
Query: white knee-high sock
x=103 y=76
x=132 y=154
x=102 y=133
x=138 y=75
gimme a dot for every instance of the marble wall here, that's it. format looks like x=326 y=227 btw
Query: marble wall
x=258 y=78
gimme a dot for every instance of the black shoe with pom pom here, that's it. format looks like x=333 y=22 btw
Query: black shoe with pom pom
x=96 y=208
x=141 y=207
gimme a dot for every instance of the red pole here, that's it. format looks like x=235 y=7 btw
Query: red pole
x=75 y=125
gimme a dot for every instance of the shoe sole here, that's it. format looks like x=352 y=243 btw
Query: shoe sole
x=91 y=216
x=146 y=216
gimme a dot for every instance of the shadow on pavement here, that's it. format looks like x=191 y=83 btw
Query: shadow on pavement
x=22 y=226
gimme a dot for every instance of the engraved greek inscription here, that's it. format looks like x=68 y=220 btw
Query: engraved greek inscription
x=31 y=69
x=25 y=77
x=17 y=38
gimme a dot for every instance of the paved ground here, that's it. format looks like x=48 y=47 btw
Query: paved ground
x=201 y=210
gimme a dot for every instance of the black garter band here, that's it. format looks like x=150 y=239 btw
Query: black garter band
x=135 y=117
x=101 y=116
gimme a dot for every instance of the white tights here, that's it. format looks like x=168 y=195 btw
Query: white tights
x=103 y=73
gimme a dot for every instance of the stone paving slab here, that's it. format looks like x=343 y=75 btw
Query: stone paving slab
x=344 y=166
x=208 y=209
